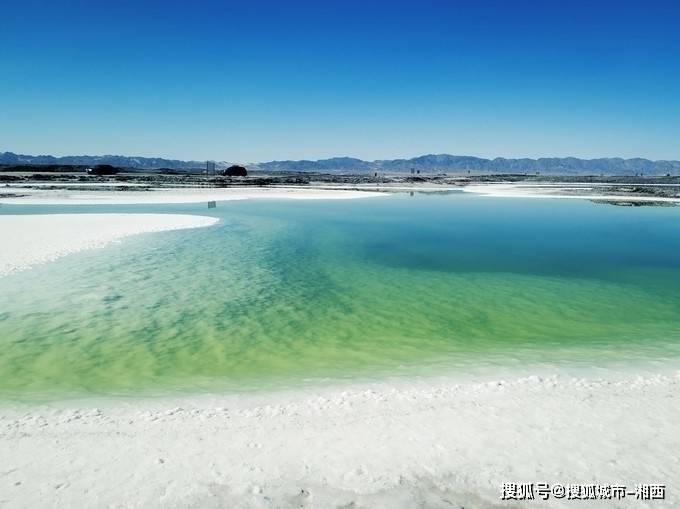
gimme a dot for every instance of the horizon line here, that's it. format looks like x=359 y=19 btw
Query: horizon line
x=344 y=157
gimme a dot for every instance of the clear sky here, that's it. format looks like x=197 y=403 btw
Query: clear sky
x=253 y=81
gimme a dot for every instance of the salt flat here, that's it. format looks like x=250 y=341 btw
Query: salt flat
x=413 y=443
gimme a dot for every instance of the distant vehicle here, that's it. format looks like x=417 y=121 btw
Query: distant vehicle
x=102 y=169
x=235 y=171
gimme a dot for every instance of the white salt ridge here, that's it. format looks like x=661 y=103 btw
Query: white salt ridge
x=175 y=195
x=576 y=191
x=27 y=240
x=448 y=443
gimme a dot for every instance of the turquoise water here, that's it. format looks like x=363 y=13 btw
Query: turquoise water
x=288 y=292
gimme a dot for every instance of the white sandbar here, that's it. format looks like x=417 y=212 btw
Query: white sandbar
x=40 y=196
x=27 y=240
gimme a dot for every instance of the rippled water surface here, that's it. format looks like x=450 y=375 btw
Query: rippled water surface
x=286 y=292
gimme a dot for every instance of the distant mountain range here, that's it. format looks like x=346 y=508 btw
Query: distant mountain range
x=439 y=163
x=445 y=163
x=149 y=163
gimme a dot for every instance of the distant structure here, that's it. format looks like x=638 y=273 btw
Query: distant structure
x=235 y=171
x=102 y=169
x=210 y=167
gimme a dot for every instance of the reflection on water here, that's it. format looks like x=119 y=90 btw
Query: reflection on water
x=292 y=291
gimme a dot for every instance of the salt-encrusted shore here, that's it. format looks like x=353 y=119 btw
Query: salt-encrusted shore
x=28 y=240
x=399 y=444
x=40 y=196
x=575 y=190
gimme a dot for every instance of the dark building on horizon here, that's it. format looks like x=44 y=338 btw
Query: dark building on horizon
x=235 y=171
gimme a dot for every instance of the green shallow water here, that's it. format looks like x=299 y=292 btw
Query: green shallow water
x=288 y=292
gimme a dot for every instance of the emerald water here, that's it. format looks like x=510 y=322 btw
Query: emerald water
x=288 y=292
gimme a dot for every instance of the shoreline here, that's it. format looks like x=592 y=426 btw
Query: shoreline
x=387 y=444
x=40 y=196
x=621 y=189
x=30 y=240
x=137 y=193
x=569 y=191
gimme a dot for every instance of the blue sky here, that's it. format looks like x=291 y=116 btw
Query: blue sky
x=254 y=81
